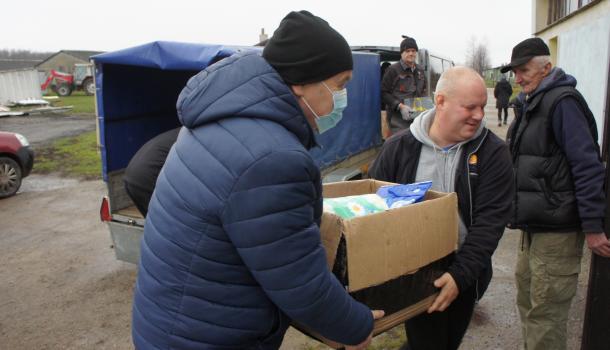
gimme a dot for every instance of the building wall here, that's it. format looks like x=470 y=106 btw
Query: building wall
x=583 y=50
x=61 y=62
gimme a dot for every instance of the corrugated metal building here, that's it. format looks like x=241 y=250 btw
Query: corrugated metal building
x=16 y=85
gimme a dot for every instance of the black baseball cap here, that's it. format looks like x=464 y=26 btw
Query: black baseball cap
x=525 y=51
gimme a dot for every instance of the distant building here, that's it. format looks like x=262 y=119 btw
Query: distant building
x=16 y=63
x=577 y=33
x=494 y=75
x=64 y=60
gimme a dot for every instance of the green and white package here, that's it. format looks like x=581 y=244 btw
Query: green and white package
x=353 y=206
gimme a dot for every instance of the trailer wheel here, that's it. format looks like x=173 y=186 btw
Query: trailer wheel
x=64 y=90
x=89 y=87
x=10 y=177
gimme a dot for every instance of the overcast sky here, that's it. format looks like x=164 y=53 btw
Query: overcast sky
x=442 y=26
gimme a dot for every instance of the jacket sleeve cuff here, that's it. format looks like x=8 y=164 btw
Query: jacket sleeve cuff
x=592 y=225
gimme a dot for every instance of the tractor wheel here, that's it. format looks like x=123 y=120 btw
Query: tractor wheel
x=10 y=177
x=89 y=87
x=64 y=90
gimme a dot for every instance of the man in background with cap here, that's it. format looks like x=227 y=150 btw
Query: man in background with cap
x=559 y=203
x=403 y=79
x=231 y=252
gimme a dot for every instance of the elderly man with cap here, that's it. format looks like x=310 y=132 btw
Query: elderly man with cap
x=403 y=79
x=231 y=252
x=559 y=201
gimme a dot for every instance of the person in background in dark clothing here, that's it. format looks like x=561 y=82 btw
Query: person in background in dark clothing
x=450 y=146
x=403 y=79
x=502 y=93
x=144 y=167
x=560 y=202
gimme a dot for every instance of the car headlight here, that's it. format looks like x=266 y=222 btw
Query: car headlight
x=24 y=142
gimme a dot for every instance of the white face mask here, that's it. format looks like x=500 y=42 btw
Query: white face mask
x=330 y=120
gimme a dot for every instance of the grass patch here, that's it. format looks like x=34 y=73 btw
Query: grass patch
x=391 y=339
x=82 y=104
x=75 y=156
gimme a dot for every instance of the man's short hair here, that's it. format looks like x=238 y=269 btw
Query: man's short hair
x=447 y=82
x=541 y=61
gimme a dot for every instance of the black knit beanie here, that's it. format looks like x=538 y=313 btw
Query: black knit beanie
x=305 y=49
x=408 y=43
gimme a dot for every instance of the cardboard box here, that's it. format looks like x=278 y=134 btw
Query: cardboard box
x=389 y=260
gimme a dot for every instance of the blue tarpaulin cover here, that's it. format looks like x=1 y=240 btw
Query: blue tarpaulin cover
x=137 y=89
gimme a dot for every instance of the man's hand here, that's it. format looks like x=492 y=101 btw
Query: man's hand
x=377 y=314
x=598 y=243
x=449 y=291
x=404 y=111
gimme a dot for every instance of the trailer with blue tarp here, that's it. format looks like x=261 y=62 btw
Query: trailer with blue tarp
x=136 y=93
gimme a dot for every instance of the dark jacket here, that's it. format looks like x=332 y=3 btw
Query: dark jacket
x=502 y=93
x=145 y=165
x=231 y=249
x=484 y=196
x=399 y=83
x=559 y=174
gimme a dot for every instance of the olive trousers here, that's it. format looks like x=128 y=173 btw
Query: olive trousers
x=547 y=271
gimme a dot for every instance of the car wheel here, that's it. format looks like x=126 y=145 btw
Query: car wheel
x=10 y=177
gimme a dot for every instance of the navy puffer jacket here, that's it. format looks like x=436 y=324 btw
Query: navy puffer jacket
x=231 y=249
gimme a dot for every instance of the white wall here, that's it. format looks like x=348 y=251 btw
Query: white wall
x=583 y=50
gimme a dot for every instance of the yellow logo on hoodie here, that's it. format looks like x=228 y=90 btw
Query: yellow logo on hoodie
x=473 y=160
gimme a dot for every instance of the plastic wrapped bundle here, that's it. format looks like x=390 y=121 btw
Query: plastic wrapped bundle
x=353 y=206
x=387 y=197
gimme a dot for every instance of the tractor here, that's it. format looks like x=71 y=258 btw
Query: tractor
x=64 y=83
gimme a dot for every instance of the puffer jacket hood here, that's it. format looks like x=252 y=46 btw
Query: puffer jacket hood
x=251 y=89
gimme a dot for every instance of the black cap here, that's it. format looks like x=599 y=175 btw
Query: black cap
x=525 y=51
x=408 y=43
x=305 y=49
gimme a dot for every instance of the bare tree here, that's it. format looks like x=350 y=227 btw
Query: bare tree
x=477 y=55
x=16 y=54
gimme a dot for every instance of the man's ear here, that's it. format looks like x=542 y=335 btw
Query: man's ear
x=547 y=68
x=298 y=90
x=439 y=100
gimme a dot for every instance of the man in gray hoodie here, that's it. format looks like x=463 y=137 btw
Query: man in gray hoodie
x=450 y=146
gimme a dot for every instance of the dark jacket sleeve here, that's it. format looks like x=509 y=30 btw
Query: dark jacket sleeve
x=491 y=209
x=270 y=219
x=387 y=87
x=574 y=137
x=509 y=90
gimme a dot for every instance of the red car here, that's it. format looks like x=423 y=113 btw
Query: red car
x=16 y=161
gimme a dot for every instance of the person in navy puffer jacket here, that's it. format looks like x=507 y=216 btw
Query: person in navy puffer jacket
x=231 y=251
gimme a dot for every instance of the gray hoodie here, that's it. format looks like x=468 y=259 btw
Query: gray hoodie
x=438 y=164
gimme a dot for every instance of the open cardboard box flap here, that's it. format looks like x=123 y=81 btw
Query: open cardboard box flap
x=390 y=244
